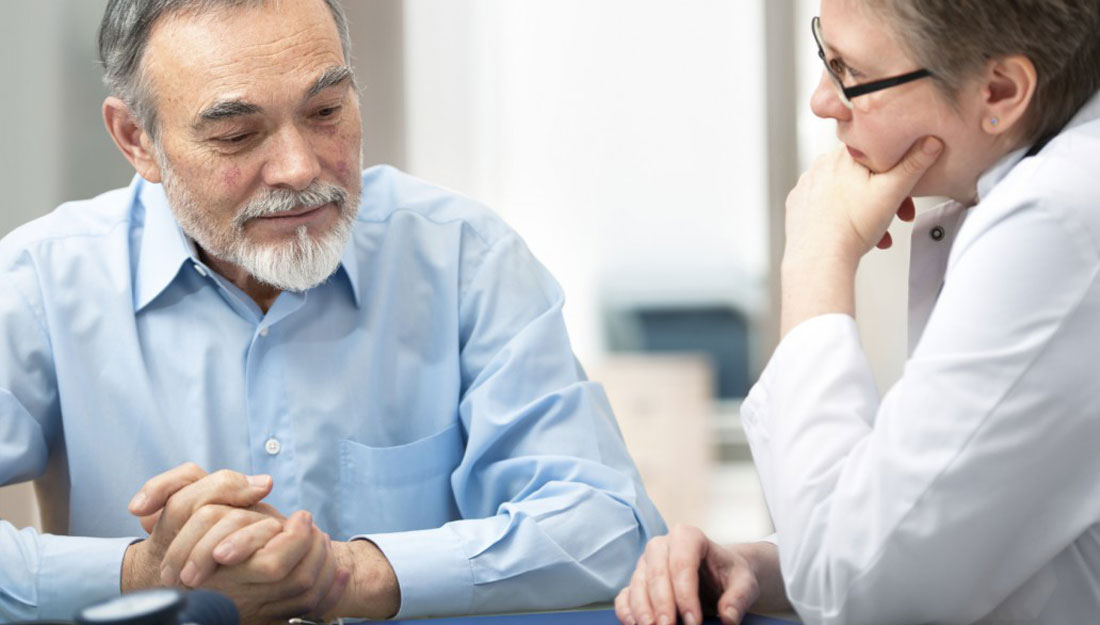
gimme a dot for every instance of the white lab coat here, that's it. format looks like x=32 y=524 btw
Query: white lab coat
x=971 y=491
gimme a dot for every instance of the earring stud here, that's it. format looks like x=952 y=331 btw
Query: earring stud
x=993 y=121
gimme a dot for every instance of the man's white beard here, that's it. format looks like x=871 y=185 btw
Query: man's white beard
x=296 y=265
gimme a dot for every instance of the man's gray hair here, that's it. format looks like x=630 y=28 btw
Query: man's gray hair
x=125 y=30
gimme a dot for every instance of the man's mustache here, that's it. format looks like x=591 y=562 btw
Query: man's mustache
x=274 y=201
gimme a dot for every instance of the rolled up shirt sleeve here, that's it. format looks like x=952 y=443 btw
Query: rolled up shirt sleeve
x=553 y=511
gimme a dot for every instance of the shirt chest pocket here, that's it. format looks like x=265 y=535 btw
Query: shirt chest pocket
x=393 y=489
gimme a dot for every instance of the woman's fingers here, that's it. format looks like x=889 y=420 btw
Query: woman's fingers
x=622 y=607
x=688 y=546
x=640 y=606
x=669 y=581
x=659 y=583
x=741 y=591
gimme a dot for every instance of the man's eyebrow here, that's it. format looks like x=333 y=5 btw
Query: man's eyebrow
x=225 y=109
x=332 y=77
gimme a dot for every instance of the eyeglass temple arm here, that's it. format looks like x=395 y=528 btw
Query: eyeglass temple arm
x=865 y=88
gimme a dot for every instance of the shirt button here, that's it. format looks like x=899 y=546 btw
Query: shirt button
x=263 y=331
x=272 y=446
x=199 y=269
x=936 y=233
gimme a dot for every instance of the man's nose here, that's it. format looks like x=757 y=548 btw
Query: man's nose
x=825 y=101
x=292 y=162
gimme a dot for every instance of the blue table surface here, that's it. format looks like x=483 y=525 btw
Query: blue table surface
x=581 y=617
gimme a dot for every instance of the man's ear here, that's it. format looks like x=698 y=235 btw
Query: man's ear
x=131 y=138
x=1008 y=90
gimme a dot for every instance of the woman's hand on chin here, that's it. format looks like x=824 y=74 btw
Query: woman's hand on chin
x=839 y=211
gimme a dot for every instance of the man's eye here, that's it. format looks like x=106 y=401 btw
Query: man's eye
x=235 y=139
x=329 y=111
x=837 y=67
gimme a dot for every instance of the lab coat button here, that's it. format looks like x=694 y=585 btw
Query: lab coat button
x=272 y=446
x=263 y=331
x=937 y=233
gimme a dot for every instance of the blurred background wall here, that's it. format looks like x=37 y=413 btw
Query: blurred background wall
x=643 y=148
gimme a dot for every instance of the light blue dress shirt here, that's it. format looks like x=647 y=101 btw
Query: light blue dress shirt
x=425 y=396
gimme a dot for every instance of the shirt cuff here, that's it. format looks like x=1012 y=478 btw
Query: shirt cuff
x=76 y=571
x=433 y=573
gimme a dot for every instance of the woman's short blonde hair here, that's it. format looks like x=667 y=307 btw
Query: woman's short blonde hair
x=955 y=38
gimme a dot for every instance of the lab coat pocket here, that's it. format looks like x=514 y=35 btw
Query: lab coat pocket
x=406 y=487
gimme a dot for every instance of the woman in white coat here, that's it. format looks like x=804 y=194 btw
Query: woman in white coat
x=970 y=492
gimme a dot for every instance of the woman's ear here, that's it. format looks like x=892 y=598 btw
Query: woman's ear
x=131 y=138
x=1009 y=87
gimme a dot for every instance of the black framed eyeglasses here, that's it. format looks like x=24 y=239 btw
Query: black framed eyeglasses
x=848 y=93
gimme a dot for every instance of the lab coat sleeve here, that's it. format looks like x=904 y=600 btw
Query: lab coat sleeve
x=553 y=511
x=42 y=576
x=975 y=470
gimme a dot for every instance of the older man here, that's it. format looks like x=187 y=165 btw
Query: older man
x=379 y=355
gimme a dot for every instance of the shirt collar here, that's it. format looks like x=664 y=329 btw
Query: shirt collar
x=351 y=268
x=164 y=248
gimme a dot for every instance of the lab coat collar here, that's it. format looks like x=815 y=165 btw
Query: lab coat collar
x=1087 y=113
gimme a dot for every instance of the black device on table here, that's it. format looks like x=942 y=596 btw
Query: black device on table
x=156 y=606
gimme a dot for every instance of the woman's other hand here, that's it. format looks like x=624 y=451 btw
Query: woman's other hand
x=684 y=573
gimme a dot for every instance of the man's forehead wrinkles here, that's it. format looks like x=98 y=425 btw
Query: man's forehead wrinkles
x=237 y=76
x=241 y=64
x=286 y=45
x=280 y=43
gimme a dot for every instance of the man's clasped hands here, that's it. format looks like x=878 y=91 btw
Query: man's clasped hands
x=212 y=531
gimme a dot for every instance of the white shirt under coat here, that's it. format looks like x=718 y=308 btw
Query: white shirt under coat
x=971 y=491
